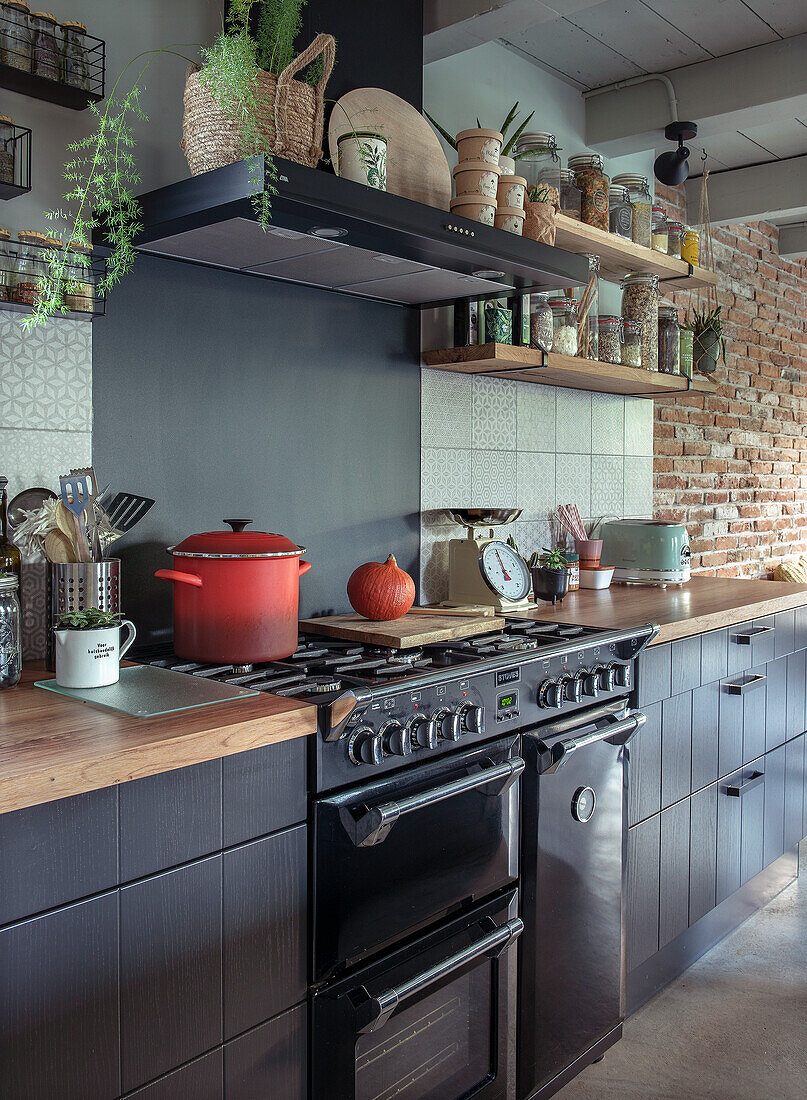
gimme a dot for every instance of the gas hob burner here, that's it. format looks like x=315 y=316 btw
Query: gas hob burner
x=242 y=670
x=569 y=631
x=397 y=656
x=321 y=685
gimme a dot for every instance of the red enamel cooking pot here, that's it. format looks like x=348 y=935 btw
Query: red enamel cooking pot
x=236 y=595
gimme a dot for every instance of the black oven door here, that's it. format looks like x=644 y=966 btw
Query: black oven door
x=431 y=1019
x=405 y=851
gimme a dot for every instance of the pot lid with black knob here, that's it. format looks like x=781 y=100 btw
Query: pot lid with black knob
x=237 y=543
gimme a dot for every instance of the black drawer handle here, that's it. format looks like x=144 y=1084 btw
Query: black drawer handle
x=748 y=637
x=737 y=791
x=748 y=683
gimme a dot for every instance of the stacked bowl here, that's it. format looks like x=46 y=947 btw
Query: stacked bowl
x=476 y=177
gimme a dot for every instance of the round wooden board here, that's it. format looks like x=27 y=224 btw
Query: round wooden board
x=416 y=164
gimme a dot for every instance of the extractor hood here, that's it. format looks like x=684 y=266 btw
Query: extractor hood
x=332 y=233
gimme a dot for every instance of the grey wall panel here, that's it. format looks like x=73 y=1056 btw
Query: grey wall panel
x=221 y=394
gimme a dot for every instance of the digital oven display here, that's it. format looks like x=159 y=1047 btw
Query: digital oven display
x=507 y=701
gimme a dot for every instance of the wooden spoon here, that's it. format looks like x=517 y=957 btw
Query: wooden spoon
x=66 y=522
x=58 y=548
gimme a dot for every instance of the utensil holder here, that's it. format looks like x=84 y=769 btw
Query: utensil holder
x=77 y=586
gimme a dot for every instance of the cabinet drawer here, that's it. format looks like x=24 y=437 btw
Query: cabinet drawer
x=644 y=843
x=776 y=703
x=796 y=676
x=686 y=664
x=674 y=874
x=740 y=695
x=754 y=714
x=740 y=817
x=785 y=633
x=705 y=712
x=202 y=1079
x=676 y=748
x=702 y=852
x=740 y=656
x=729 y=834
x=645 y=767
x=800 y=636
x=270 y=1061
x=714 y=656
x=794 y=792
x=752 y=815
x=654 y=674
x=773 y=832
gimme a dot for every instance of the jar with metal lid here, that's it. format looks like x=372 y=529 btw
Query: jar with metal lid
x=610 y=343
x=10 y=633
x=659 y=230
x=571 y=197
x=685 y=341
x=573 y=567
x=73 y=54
x=631 y=337
x=44 y=46
x=7 y=262
x=640 y=303
x=541 y=325
x=587 y=310
x=79 y=287
x=642 y=203
x=536 y=156
x=7 y=149
x=675 y=236
x=15 y=35
x=593 y=184
x=620 y=212
x=669 y=354
x=564 y=325
x=689 y=246
x=30 y=268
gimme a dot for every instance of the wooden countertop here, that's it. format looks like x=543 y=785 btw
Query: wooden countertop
x=52 y=746
x=705 y=603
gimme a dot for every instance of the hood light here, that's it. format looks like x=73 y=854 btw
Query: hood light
x=328 y=231
x=483 y=273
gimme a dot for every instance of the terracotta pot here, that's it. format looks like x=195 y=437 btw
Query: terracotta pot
x=476 y=177
x=510 y=218
x=477 y=209
x=511 y=191
x=479 y=144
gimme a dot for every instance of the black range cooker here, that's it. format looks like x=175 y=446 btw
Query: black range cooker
x=465 y=797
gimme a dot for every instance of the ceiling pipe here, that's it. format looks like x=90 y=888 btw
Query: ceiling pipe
x=632 y=80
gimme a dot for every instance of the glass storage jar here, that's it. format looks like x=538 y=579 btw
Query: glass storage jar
x=669 y=354
x=541 y=326
x=659 y=230
x=73 y=54
x=10 y=634
x=587 y=310
x=631 y=343
x=620 y=212
x=610 y=344
x=685 y=341
x=640 y=303
x=570 y=196
x=564 y=325
x=675 y=236
x=15 y=43
x=7 y=149
x=593 y=184
x=537 y=160
x=29 y=268
x=44 y=46
x=642 y=203
x=79 y=288
x=689 y=246
x=7 y=259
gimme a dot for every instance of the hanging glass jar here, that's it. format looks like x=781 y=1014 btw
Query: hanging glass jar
x=7 y=259
x=610 y=342
x=593 y=184
x=537 y=160
x=73 y=54
x=10 y=634
x=570 y=195
x=659 y=230
x=541 y=326
x=620 y=212
x=44 y=46
x=15 y=43
x=640 y=303
x=587 y=311
x=631 y=343
x=642 y=203
x=564 y=325
x=675 y=236
x=669 y=354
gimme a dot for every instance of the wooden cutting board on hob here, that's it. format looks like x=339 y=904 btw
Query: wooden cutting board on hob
x=419 y=626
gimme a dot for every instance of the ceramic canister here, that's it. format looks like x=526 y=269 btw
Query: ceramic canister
x=476 y=177
x=91 y=658
x=510 y=219
x=477 y=209
x=362 y=157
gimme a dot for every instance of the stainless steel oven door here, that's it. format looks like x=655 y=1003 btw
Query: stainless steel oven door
x=430 y=1020
x=404 y=851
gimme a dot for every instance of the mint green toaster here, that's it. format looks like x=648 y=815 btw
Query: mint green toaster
x=646 y=551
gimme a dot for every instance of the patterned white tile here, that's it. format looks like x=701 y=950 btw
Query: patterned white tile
x=536 y=417
x=494 y=479
x=638 y=426
x=607 y=477
x=536 y=484
x=445 y=409
x=531 y=536
x=445 y=478
x=46 y=374
x=573 y=482
x=493 y=414
x=607 y=424
x=638 y=490
x=434 y=563
x=33 y=458
x=573 y=421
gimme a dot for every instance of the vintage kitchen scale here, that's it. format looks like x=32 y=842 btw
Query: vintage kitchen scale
x=483 y=569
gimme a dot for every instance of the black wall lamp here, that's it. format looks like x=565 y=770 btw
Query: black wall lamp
x=673 y=168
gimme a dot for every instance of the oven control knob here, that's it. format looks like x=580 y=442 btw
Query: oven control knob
x=472 y=718
x=591 y=684
x=621 y=675
x=606 y=676
x=550 y=694
x=396 y=739
x=423 y=732
x=449 y=725
x=365 y=747
x=574 y=688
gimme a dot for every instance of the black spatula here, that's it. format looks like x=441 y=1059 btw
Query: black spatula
x=126 y=509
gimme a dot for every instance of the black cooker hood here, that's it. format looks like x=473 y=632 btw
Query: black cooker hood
x=332 y=233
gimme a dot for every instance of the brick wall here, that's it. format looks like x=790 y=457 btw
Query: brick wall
x=733 y=465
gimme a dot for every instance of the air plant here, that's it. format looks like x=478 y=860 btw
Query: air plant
x=707 y=322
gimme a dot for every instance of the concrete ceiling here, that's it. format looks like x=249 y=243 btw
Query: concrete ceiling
x=737 y=67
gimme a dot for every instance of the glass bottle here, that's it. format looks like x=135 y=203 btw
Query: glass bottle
x=669 y=353
x=610 y=342
x=620 y=212
x=675 y=236
x=564 y=325
x=593 y=184
x=640 y=303
x=44 y=47
x=587 y=311
x=10 y=559
x=659 y=230
x=631 y=343
x=570 y=195
x=15 y=45
x=642 y=204
x=541 y=325
x=10 y=634
x=7 y=260
x=537 y=160
x=73 y=55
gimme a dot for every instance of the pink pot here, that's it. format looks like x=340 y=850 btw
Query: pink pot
x=590 y=551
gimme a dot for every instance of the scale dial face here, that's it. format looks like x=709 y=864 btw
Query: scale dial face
x=504 y=571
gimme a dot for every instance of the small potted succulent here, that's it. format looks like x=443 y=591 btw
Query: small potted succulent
x=550 y=575
x=88 y=649
x=508 y=137
x=708 y=344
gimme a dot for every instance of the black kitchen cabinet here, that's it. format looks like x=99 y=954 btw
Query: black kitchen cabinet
x=644 y=853
x=645 y=767
x=201 y=1079
x=702 y=852
x=676 y=748
x=674 y=875
x=773 y=836
x=714 y=656
x=796 y=677
x=263 y=790
x=59 y=1004
x=794 y=791
x=730 y=726
x=686 y=664
x=729 y=838
x=754 y=714
x=269 y=1062
x=705 y=712
x=752 y=814
x=775 y=703
x=654 y=674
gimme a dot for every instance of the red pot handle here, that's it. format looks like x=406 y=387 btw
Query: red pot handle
x=175 y=575
x=304 y=567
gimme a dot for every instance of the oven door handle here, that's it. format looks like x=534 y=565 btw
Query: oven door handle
x=374 y=824
x=374 y=1012
x=625 y=728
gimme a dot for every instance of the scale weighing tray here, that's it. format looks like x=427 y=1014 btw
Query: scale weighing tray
x=144 y=691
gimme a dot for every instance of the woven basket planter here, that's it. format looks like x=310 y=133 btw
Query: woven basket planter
x=539 y=221
x=290 y=115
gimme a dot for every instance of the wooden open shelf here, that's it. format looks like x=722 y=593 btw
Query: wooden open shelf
x=525 y=365
x=619 y=257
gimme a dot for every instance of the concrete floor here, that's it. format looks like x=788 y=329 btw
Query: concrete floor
x=733 y=1027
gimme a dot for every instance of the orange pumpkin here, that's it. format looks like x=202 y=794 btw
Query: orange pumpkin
x=381 y=591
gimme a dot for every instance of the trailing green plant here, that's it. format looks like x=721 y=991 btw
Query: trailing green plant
x=554 y=559
x=89 y=619
x=707 y=321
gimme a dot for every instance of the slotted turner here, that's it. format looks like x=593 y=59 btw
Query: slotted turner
x=77 y=494
x=127 y=509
